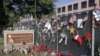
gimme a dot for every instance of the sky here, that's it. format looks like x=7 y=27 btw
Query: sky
x=61 y=2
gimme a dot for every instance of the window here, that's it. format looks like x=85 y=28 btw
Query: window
x=59 y=10
x=91 y=3
x=63 y=9
x=69 y=7
x=75 y=6
x=99 y=2
x=84 y=4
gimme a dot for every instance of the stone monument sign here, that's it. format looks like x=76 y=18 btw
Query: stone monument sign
x=18 y=37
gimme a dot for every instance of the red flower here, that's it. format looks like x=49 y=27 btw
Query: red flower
x=70 y=54
x=59 y=54
x=42 y=47
x=50 y=50
x=87 y=35
x=37 y=49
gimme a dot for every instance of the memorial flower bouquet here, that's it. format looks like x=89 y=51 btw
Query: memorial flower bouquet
x=88 y=37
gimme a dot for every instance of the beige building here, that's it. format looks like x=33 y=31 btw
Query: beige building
x=76 y=7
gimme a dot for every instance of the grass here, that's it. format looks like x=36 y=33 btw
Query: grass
x=1 y=43
x=11 y=54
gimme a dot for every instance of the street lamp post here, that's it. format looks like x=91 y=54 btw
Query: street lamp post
x=93 y=37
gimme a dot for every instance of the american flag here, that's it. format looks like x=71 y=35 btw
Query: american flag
x=96 y=6
x=63 y=35
x=64 y=23
x=58 y=18
x=73 y=19
x=85 y=19
x=55 y=20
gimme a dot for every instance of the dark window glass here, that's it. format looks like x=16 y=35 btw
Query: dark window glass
x=99 y=2
x=91 y=3
x=84 y=4
x=69 y=7
x=75 y=6
x=63 y=9
x=59 y=10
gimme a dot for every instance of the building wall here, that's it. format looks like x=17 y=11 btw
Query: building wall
x=79 y=2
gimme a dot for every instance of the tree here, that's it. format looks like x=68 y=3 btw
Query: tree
x=3 y=17
x=15 y=8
